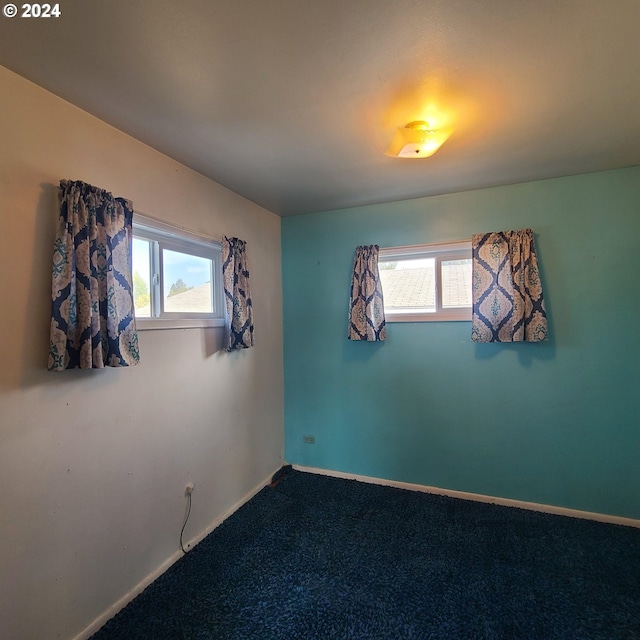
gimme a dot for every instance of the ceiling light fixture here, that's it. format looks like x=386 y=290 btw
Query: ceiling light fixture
x=417 y=140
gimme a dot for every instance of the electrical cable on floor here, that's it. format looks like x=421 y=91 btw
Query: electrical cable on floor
x=185 y=523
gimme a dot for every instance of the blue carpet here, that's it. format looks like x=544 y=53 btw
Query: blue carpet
x=318 y=558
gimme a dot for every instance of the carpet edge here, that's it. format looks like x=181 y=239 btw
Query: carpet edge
x=476 y=497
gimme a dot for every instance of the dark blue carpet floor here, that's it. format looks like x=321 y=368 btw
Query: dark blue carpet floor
x=317 y=558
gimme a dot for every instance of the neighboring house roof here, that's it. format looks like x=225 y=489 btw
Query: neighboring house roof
x=415 y=288
x=195 y=300
x=404 y=288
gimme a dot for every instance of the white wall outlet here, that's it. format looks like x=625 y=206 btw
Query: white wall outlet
x=188 y=490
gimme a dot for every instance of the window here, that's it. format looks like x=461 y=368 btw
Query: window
x=426 y=282
x=177 y=277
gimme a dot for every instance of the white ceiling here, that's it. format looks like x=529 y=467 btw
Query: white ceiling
x=292 y=103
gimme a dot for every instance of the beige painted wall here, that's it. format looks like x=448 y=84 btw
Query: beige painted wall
x=93 y=464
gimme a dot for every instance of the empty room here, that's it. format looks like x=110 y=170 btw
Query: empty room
x=320 y=320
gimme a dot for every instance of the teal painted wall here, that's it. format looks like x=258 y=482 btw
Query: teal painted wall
x=555 y=423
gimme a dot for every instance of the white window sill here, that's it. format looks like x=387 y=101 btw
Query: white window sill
x=155 y=324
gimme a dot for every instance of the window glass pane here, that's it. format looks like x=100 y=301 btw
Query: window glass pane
x=187 y=283
x=408 y=285
x=456 y=283
x=141 y=278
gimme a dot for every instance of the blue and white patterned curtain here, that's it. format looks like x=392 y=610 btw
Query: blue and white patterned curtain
x=92 y=317
x=508 y=305
x=366 y=309
x=235 y=275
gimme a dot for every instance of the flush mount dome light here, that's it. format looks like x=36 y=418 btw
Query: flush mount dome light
x=417 y=140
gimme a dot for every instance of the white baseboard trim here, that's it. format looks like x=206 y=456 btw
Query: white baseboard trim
x=477 y=497
x=86 y=633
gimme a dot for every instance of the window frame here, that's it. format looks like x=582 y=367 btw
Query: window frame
x=441 y=252
x=163 y=236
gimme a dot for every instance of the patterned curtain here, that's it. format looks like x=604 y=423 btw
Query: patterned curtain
x=235 y=275
x=366 y=310
x=508 y=305
x=92 y=321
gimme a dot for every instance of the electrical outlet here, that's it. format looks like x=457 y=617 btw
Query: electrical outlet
x=309 y=439
x=188 y=490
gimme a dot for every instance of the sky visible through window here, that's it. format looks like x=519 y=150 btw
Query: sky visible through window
x=192 y=270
